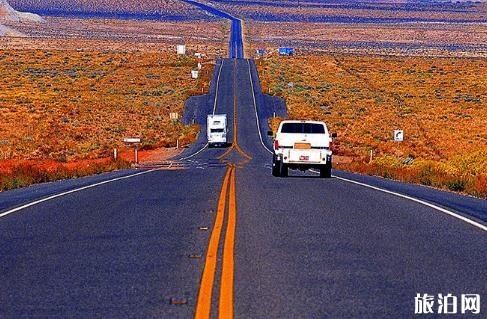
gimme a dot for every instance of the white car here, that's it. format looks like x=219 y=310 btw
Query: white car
x=217 y=130
x=302 y=145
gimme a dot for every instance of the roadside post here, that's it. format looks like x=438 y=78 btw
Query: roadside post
x=135 y=141
x=181 y=49
x=174 y=117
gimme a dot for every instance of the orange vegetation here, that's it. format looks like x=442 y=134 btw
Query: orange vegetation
x=14 y=174
x=69 y=105
x=440 y=103
x=63 y=107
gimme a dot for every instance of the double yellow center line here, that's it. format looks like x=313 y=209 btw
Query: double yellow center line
x=226 y=202
x=235 y=145
x=225 y=303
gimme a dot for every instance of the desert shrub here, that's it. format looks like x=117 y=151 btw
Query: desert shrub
x=456 y=184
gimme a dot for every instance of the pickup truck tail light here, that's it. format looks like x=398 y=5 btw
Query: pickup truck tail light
x=276 y=144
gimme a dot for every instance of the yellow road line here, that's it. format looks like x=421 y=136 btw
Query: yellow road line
x=203 y=305
x=227 y=151
x=225 y=307
x=235 y=145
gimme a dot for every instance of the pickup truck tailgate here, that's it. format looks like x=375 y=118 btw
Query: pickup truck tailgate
x=304 y=156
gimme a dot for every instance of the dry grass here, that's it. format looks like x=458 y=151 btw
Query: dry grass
x=67 y=105
x=72 y=108
x=417 y=39
x=440 y=103
x=73 y=88
x=25 y=173
x=58 y=33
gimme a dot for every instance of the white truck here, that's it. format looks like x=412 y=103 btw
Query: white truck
x=302 y=145
x=217 y=130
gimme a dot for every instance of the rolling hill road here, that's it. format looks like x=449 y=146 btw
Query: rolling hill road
x=220 y=237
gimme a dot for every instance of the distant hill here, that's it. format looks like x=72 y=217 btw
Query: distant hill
x=7 y=13
x=162 y=8
x=6 y=31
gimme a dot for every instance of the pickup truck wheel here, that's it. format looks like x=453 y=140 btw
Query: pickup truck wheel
x=325 y=171
x=276 y=168
x=284 y=170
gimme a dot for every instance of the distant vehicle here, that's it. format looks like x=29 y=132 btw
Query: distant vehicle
x=302 y=145
x=286 y=51
x=260 y=52
x=217 y=130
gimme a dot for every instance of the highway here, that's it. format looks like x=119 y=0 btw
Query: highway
x=235 y=44
x=221 y=238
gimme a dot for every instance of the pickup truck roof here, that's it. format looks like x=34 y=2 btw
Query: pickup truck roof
x=302 y=127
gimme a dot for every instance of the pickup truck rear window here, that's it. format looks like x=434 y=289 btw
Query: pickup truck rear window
x=216 y=130
x=306 y=128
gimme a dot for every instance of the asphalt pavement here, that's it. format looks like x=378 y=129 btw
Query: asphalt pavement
x=304 y=247
x=224 y=236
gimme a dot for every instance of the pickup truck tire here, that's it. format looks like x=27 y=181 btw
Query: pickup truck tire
x=325 y=171
x=283 y=168
x=276 y=168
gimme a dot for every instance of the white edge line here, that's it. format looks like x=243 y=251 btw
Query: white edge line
x=214 y=109
x=8 y=212
x=450 y=213
x=443 y=210
x=256 y=114
x=194 y=154
x=419 y=201
x=242 y=36
x=217 y=86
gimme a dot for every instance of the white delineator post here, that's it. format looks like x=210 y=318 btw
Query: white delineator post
x=181 y=49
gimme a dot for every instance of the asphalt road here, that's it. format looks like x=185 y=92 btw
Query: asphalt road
x=303 y=247
x=221 y=237
x=235 y=45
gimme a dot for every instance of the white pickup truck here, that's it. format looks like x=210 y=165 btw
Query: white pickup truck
x=302 y=145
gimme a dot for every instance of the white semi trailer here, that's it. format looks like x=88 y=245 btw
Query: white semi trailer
x=217 y=130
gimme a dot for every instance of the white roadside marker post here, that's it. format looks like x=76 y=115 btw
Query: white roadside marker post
x=134 y=141
x=136 y=153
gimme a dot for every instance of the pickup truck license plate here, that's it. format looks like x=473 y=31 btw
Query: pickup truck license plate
x=304 y=158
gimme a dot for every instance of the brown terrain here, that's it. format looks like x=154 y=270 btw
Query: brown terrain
x=68 y=76
x=73 y=88
x=375 y=73
x=67 y=106
x=419 y=39
x=385 y=28
x=440 y=103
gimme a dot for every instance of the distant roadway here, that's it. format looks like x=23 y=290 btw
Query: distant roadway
x=221 y=238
